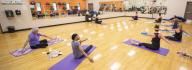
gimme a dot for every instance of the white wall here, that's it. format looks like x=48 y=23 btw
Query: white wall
x=175 y=7
x=22 y=20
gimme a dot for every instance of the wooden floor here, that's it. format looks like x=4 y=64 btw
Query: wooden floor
x=110 y=54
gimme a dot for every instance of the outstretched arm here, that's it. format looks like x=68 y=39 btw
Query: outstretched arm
x=46 y=36
x=26 y=42
x=83 y=40
x=150 y=35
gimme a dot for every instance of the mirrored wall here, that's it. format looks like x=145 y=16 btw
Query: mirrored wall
x=143 y=6
x=56 y=8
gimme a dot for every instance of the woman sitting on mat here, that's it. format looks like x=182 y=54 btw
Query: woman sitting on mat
x=175 y=24
x=156 y=37
x=178 y=34
x=182 y=19
x=33 y=40
x=98 y=20
x=136 y=16
x=158 y=20
x=78 y=51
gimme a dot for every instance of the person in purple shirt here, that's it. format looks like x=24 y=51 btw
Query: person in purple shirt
x=34 y=40
x=78 y=51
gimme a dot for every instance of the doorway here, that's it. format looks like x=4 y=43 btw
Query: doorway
x=90 y=6
x=188 y=11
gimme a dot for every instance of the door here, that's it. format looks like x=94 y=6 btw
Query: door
x=90 y=6
x=188 y=11
x=1 y=29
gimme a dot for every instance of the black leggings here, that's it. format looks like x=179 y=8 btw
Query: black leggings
x=98 y=21
x=158 y=20
x=171 y=38
x=150 y=46
x=135 y=18
x=43 y=44
x=86 y=50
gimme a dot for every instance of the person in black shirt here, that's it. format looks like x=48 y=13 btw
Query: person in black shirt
x=136 y=16
x=178 y=34
x=158 y=20
x=155 y=42
x=98 y=20
x=179 y=18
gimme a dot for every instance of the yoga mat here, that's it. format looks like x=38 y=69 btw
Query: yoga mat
x=149 y=22
x=144 y=33
x=165 y=30
x=183 y=54
x=55 y=41
x=20 y=52
x=167 y=25
x=161 y=51
x=69 y=63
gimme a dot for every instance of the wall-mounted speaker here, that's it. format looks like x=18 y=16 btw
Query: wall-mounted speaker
x=18 y=12
x=9 y=13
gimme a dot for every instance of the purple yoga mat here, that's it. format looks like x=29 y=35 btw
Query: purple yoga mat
x=21 y=52
x=69 y=63
x=161 y=51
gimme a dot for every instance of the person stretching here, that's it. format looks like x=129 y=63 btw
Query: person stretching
x=136 y=16
x=78 y=51
x=156 y=37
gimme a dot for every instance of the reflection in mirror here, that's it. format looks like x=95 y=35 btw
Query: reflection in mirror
x=68 y=7
x=146 y=6
x=142 y=6
x=32 y=8
x=38 y=6
x=78 y=6
x=54 y=6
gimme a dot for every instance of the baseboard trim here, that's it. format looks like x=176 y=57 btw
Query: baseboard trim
x=71 y=23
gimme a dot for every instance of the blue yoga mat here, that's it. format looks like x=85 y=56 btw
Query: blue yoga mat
x=69 y=63
x=144 y=33
x=161 y=51
x=167 y=25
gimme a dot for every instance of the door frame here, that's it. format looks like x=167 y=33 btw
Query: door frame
x=1 y=30
x=186 y=9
